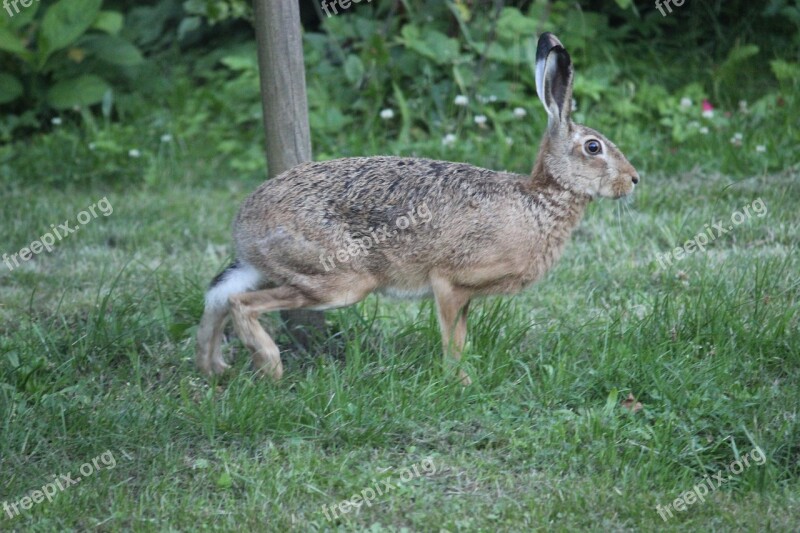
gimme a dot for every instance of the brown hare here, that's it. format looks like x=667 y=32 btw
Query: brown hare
x=318 y=236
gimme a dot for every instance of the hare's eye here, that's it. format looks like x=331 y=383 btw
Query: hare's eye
x=593 y=147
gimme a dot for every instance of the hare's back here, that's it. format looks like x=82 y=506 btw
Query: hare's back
x=372 y=190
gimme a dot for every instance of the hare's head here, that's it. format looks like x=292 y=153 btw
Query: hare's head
x=580 y=158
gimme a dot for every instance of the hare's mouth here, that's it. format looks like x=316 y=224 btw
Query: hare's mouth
x=624 y=187
x=621 y=190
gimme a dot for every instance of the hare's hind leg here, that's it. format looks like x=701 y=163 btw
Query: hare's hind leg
x=247 y=306
x=236 y=278
x=209 y=341
x=452 y=305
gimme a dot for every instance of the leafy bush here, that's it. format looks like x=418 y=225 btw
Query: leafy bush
x=455 y=81
x=61 y=58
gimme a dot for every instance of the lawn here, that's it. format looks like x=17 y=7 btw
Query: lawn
x=648 y=383
x=96 y=364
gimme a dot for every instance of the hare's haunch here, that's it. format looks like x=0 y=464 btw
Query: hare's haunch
x=325 y=235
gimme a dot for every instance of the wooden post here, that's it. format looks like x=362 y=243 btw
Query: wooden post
x=285 y=105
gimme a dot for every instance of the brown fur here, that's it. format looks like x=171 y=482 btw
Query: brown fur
x=487 y=232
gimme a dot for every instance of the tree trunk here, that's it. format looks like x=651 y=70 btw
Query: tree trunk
x=285 y=105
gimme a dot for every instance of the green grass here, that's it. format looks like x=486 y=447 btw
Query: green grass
x=96 y=355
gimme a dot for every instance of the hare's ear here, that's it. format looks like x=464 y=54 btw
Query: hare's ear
x=554 y=79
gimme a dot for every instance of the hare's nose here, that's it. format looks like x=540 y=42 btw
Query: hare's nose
x=635 y=178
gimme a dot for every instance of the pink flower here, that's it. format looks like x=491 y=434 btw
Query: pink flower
x=708 y=109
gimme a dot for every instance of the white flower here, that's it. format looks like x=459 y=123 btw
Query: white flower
x=743 y=106
x=56 y=121
x=166 y=138
x=133 y=152
x=708 y=113
x=761 y=148
x=461 y=100
x=736 y=140
x=738 y=136
x=480 y=120
x=519 y=112
x=509 y=141
x=492 y=98
x=704 y=130
x=92 y=146
x=387 y=114
x=449 y=140
x=686 y=102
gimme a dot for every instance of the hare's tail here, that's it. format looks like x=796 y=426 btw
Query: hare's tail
x=238 y=277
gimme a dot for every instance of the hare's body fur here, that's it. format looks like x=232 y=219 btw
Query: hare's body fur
x=325 y=235
x=489 y=232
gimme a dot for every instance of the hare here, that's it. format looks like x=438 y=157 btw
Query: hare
x=325 y=235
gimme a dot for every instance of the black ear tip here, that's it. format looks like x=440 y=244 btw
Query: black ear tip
x=547 y=41
x=549 y=36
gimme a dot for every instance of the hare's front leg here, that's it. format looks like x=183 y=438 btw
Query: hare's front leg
x=452 y=305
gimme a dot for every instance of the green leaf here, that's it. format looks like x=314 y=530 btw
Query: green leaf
x=785 y=71
x=82 y=91
x=177 y=331
x=241 y=63
x=109 y=22
x=611 y=401
x=509 y=54
x=113 y=49
x=188 y=25
x=513 y=25
x=434 y=45
x=10 y=42
x=64 y=22
x=10 y=88
x=735 y=58
x=224 y=481
x=405 y=114
x=328 y=119
x=353 y=69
